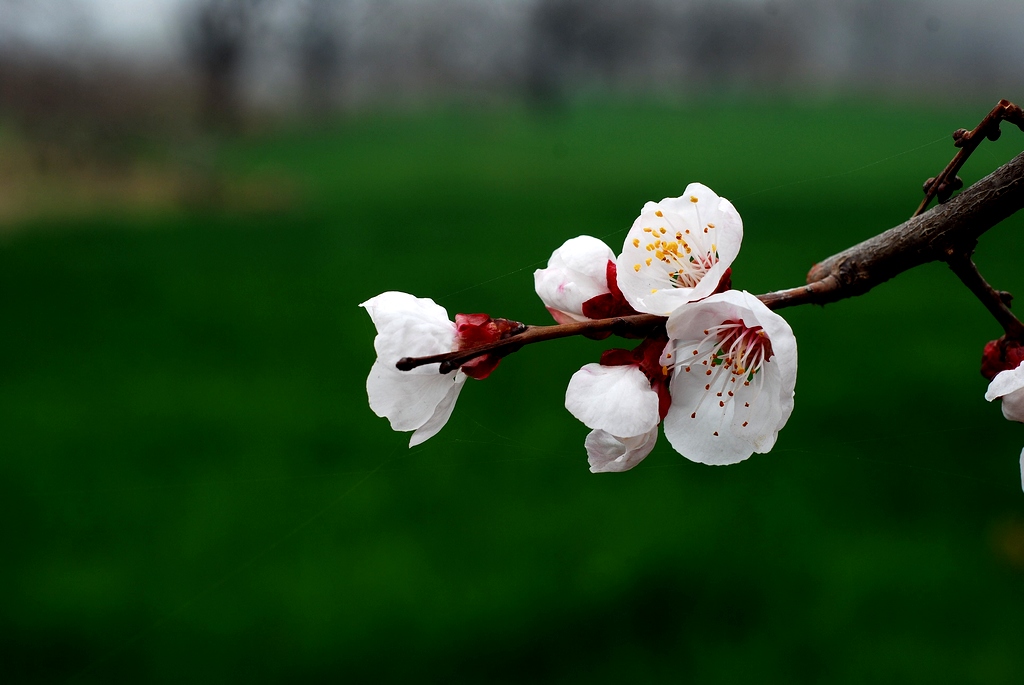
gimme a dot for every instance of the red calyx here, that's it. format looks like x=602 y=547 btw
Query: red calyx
x=473 y=330
x=726 y=282
x=1001 y=355
x=610 y=304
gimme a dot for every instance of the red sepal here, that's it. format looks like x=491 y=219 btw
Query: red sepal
x=725 y=283
x=610 y=304
x=1001 y=355
x=473 y=330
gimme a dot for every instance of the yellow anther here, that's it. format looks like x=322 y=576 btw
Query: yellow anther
x=654 y=290
x=636 y=267
x=711 y=225
x=693 y=198
x=636 y=242
x=648 y=263
x=647 y=230
x=658 y=213
x=662 y=229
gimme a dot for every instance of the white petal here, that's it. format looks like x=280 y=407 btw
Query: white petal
x=1009 y=385
x=409 y=326
x=648 y=287
x=442 y=412
x=1005 y=382
x=709 y=428
x=610 y=454
x=408 y=400
x=1013 y=405
x=576 y=272
x=616 y=399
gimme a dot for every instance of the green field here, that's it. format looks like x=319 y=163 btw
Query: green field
x=194 y=489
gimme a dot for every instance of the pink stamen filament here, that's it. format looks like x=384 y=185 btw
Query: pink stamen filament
x=733 y=348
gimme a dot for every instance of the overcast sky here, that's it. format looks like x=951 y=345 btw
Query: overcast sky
x=135 y=26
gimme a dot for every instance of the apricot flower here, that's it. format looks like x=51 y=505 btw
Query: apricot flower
x=734 y=373
x=679 y=250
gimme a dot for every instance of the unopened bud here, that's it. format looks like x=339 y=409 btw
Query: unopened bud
x=1001 y=355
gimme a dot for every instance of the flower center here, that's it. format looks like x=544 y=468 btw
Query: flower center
x=731 y=355
x=688 y=255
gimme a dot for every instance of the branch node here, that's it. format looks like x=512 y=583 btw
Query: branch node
x=945 y=184
x=996 y=301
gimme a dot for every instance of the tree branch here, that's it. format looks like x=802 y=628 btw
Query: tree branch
x=933 y=236
x=943 y=185
x=965 y=269
x=937 y=235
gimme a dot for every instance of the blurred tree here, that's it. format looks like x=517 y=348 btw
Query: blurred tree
x=585 y=40
x=321 y=54
x=739 y=44
x=217 y=38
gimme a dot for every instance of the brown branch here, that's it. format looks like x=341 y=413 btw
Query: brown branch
x=933 y=236
x=627 y=326
x=937 y=235
x=943 y=185
x=965 y=269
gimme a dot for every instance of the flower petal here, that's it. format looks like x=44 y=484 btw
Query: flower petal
x=1013 y=406
x=1009 y=385
x=616 y=399
x=575 y=273
x=409 y=326
x=716 y=416
x=408 y=400
x=610 y=454
x=678 y=250
x=442 y=412
x=1022 y=470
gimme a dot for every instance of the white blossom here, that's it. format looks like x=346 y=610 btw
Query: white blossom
x=607 y=453
x=734 y=372
x=1008 y=385
x=422 y=399
x=678 y=250
x=622 y=407
x=576 y=272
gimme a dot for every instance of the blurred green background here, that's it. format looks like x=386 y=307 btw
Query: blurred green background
x=194 y=489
